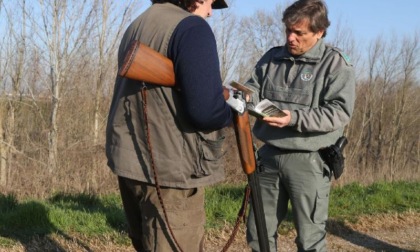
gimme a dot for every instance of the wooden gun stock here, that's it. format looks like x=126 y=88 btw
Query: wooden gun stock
x=142 y=63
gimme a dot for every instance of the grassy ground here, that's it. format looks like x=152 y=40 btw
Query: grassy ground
x=100 y=219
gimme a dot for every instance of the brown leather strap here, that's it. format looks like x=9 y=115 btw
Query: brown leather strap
x=152 y=163
x=241 y=215
x=242 y=211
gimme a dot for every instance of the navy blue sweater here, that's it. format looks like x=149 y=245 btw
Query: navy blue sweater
x=193 y=50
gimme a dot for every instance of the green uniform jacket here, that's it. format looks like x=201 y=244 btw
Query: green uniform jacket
x=183 y=157
x=318 y=88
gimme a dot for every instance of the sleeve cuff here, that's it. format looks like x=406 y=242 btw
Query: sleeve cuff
x=293 y=118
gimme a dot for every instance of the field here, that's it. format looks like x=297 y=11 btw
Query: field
x=389 y=232
x=379 y=217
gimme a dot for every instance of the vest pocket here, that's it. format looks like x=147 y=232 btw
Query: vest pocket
x=210 y=155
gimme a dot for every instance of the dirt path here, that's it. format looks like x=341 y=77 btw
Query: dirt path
x=396 y=232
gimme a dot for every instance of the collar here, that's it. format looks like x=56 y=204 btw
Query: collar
x=313 y=55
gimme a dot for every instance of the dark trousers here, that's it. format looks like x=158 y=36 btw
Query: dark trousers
x=148 y=229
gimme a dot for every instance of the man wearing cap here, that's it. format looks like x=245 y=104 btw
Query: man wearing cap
x=163 y=143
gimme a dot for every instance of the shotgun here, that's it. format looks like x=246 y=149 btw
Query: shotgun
x=142 y=63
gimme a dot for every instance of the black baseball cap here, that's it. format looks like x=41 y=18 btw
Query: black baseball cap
x=219 y=4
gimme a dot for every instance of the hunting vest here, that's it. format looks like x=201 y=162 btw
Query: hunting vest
x=183 y=157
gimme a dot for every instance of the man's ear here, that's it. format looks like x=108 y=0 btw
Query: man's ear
x=319 y=34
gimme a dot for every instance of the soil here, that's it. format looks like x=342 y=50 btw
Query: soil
x=388 y=232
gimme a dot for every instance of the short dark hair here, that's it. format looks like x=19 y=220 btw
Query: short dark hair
x=314 y=10
x=188 y=5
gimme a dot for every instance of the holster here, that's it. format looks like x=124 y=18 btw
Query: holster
x=333 y=156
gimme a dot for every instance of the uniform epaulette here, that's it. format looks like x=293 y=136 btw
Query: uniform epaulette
x=345 y=57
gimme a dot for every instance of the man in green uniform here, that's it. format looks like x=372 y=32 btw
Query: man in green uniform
x=314 y=85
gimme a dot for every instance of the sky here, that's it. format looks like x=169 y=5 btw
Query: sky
x=368 y=19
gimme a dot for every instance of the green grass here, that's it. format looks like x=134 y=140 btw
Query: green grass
x=95 y=216
x=353 y=200
x=222 y=204
x=85 y=214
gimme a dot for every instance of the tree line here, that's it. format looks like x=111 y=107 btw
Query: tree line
x=58 y=66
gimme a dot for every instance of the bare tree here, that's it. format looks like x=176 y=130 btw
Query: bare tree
x=259 y=33
x=388 y=69
x=3 y=156
x=225 y=28
x=16 y=61
x=409 y=58
x=369 y=106
x=109 y=24
x=344 y=39
x=387 y=110
x=64 y=28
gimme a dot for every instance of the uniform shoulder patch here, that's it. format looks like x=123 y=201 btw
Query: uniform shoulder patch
x=343 y=55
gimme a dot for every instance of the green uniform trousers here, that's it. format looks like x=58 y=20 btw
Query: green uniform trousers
x=301 y=178
x=147 y=226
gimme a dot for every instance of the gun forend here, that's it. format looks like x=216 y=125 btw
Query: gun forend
x=244 y=140
x=142 y=63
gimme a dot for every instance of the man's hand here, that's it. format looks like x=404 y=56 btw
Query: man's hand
x=279 y=122
x=247 y=98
